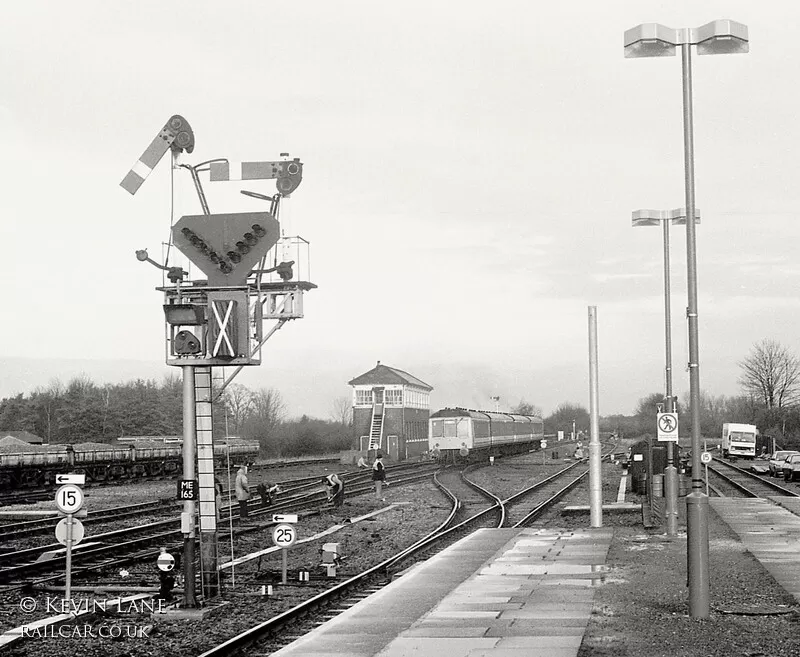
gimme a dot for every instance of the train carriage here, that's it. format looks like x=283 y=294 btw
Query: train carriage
x=37 y=466
x=466 y=432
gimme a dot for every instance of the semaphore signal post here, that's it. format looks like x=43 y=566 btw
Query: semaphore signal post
x=253 y=274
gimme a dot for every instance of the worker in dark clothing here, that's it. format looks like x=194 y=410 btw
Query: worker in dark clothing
x=379 y=476
x=335 y=490
x=265 y=492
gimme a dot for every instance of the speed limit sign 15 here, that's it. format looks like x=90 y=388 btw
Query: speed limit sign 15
x=284 y=535
x=69 y=498
x=705 y=458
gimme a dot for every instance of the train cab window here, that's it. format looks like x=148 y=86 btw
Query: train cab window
x=437 y=428
x=450 y=429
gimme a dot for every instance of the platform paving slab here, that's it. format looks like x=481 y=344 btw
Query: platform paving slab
x=488 y=595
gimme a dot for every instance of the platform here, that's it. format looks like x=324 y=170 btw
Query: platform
x=770 y=530
x=494 y=593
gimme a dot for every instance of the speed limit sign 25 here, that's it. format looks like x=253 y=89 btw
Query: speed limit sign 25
x=284 y=536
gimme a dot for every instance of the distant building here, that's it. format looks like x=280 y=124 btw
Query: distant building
x=390 y=412
x=24 y=436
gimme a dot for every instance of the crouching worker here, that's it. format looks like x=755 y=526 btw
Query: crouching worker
x=266 y=492
x=335 y=490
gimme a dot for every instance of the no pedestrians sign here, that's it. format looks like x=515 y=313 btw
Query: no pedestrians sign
x=667 y=427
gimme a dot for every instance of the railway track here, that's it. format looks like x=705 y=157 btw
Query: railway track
x=728 y=480
x=25 y=567
x=481 y=507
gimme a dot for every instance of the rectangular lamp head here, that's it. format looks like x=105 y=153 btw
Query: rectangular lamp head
x=184 y=314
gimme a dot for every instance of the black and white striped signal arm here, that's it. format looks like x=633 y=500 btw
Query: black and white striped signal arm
x=176 y=134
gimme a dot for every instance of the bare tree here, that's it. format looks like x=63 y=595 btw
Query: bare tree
x=342 y=410
x=526 y=408
x=262 y=422
x=239 y=404
x=771 y=373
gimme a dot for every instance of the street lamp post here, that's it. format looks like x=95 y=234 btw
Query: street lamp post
x=678 y=218
x=654 y=40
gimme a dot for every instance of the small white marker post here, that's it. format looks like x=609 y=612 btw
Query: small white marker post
x=705 y=459
x=544 y=447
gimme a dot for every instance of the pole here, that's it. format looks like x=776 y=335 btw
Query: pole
x=595 y=466
x=284 y=565
x=68 y=573
x=670 y=472
x=187 y=519
x=696 y=501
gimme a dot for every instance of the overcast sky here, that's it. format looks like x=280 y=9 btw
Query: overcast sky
x=470 y=172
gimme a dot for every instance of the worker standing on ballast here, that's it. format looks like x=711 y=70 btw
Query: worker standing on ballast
x=379 y=475
x=242 y=491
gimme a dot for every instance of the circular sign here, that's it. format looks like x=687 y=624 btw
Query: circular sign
x=284 y=535
x=69 y=498
x=544 y=444
x=705 y=457
x=77 y=531
x=165 y=561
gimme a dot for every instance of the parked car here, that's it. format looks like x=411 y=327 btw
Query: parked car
x=776 y=461
x=791 y=467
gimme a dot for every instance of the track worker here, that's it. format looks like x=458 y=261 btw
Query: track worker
x=335 y=490
x=218 y=496
x=379 y=475
x=242 y=491
x=362 y=463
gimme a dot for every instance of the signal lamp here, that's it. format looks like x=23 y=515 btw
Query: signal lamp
x=213 y=257
x=225 y=267
x=242 y=247
x=184 y=314
x=235 y=257
x=250 y=239
x=258 y=230
x=186 y=343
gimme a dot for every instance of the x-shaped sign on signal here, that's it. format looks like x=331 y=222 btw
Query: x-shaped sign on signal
x=222 y=323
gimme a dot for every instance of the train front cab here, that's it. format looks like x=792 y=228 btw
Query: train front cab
x=450 y=435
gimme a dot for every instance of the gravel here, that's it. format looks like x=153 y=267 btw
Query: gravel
x=640 y=610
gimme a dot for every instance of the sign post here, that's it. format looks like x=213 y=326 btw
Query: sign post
x=284 y=536
x=705 y=459
x=69 y=499
x=544 y=447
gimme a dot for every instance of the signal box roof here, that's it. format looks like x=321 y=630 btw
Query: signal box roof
x=385 y=375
